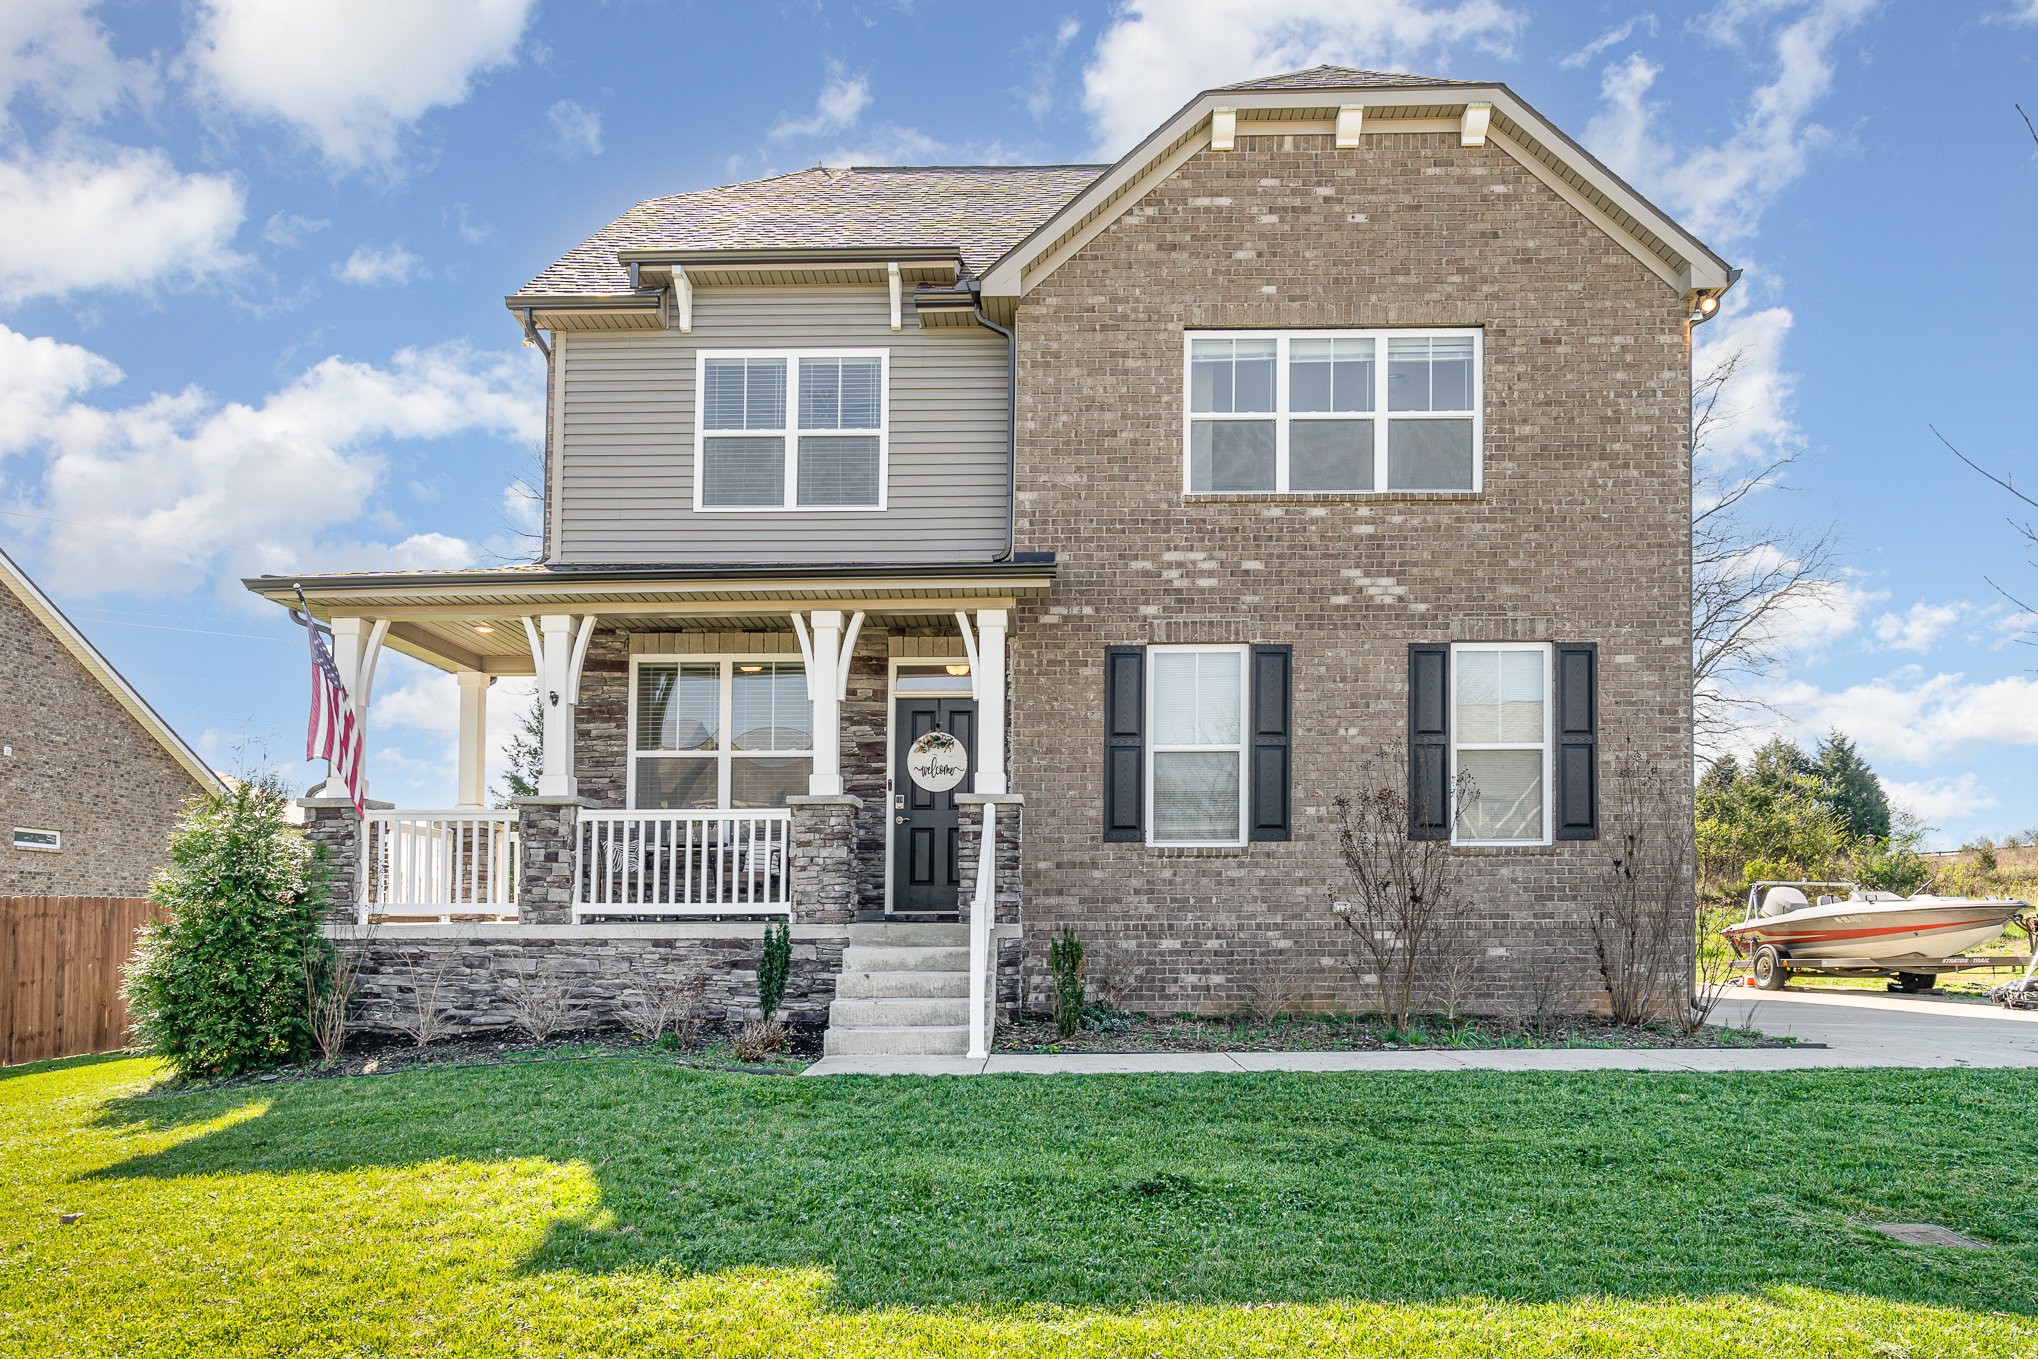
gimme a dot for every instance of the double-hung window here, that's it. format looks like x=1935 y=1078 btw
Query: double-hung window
x=719 y=733
x=1333 y=410
x=1196 y=778
x=791 y=431
x=1500 y=742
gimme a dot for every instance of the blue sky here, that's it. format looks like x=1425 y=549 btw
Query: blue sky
x=252 y=260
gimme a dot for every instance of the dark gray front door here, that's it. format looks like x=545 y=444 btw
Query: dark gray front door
x=925 y=871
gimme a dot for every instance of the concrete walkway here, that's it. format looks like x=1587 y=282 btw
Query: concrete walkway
x=1867 y=1030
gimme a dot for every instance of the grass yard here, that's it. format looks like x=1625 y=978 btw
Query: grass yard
x=628 y=1205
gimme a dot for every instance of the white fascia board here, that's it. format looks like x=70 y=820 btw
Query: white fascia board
x=1152 y=161
x=99 y=668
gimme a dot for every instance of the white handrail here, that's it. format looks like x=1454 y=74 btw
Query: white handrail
x=694 y=861
x=982 y=905
x=439 y=863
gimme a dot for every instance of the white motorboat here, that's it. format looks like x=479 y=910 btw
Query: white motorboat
x=1909 y=938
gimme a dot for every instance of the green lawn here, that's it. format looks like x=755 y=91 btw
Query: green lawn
x=628 y=1205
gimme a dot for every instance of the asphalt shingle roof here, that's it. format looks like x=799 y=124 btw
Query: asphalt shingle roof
x=980 y=210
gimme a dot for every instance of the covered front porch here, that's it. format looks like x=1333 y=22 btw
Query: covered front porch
x=719 y=749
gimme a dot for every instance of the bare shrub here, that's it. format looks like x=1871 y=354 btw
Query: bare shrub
x=1273 y=989
x=539 y=1009
x=1404 y=917
x=1115 y=970
x=427 y=1020
x=758 y=1039
x=1641 y=912
x=650 y=1012
x=1711 y=978
x=1456 y=979
x=1550 y=1002
x=330 y=984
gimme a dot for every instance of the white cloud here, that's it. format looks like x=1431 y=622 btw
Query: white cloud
x=1157 y=54
x=1921 y=626
x=2023 y=12
x=1721 y=191
x=1919 y=719
x=1752 y=420
x=841 y=103
x=351 y=75
x=576 y=130
x=1613 y=37
x=1938 y=801
x=1038 y=92
x=157 y=496
x=117 y=216
x=57 y=53
x=288 y=230
x=372 y=266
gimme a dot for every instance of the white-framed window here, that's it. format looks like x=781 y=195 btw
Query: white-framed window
x=1195 y=750
x=1500 y=742
x=726 y=732
x=791 y=430
x=1332 y=410
x=41 y=841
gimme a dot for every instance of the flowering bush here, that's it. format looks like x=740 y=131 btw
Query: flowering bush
x=227 y=982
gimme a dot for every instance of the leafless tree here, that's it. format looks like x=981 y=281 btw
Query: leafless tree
x=1404 y=915
x=1748 y=577
x=1641 y=913
x=2023 y=527
x=1711 y=978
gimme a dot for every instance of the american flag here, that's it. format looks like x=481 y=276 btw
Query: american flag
x=333 y=736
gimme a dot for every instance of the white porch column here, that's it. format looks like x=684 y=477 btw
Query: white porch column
x=356 y=646
x=473 y=738
x=824 y=686
x=990 y=690
x=557 y=651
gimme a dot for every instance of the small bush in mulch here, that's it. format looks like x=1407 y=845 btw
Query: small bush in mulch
x=1117 y=1031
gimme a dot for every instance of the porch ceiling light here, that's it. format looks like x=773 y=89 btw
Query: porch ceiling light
x=483 y=627
x=956 y=669
x=750 y=669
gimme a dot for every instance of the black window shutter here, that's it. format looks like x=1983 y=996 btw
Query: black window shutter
x=1124 y=742
x=1577 y=741
x=1272 y=716
x=1429 y=741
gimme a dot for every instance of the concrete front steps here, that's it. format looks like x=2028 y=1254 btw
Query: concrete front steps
x=903 y=992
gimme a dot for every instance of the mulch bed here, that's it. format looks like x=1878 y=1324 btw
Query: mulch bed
x=1354 y=1033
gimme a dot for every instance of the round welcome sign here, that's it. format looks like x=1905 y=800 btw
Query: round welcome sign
x=937 y=762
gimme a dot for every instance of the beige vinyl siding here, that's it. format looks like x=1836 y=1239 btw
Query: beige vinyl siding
x=626 y=468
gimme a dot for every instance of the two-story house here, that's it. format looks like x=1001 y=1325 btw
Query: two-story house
x=1136 y=512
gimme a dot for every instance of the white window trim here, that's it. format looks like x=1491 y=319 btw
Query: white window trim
x=792 y=431
x=1379 y=415
x=1237 y=747
x=1548 y=654
x=56 y=848
x=722 y=756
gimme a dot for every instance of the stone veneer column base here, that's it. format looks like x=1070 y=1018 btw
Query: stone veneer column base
x=332 y=824
x=546 y=830
x=824 y=859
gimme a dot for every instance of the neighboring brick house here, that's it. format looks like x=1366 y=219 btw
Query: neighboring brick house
x=1345 y=428
x=92 y=781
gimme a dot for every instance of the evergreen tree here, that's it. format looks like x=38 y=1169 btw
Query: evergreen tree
x=524 y=756
x=1857 y=795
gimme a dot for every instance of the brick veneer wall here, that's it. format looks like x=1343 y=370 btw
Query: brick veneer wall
x=1581 y=534
x=80 y=765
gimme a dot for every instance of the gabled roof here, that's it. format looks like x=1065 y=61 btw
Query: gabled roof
x=1338 y=78
x=975 y=211
x=99 y=668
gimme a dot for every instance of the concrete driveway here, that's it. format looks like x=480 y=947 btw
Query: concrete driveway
x=1864 y=1030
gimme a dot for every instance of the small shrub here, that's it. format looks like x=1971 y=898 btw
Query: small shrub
x=427 y=1020
x=1272 y=991
x=329 y=990
x=757 y=1040
x=228 y=983
x=1065 y=962
x=674 y=1009
x=774 y=968
x=539 y=1010
x=1101 y=1018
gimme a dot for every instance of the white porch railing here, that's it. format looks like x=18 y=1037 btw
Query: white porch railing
x=439 y=864
x=694 y=862
x=982 y=952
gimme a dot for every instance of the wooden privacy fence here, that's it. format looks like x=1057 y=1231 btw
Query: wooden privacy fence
x=60 y=961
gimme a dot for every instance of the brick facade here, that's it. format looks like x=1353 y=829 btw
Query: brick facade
x=1579 y=535
x=76 y=762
